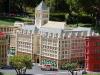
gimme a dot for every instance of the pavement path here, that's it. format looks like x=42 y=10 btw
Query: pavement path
x=37 y=71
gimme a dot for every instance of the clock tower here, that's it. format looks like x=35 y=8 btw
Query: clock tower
x=41 y=15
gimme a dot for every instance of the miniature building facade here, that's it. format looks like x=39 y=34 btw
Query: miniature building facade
x=92 y=54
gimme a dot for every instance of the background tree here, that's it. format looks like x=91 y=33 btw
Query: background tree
x=21 y=64
x=80 y=10
x=92 y=8
x=57 y=5
x=89 y=6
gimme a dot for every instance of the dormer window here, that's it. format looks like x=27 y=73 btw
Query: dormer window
x=44 y=22
x=55 y=35
x=64 y=37
x=46 y=34
x=45 y=15
x=51 y=34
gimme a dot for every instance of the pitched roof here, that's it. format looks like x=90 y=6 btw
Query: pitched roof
x=55 y=24
x=42 y=6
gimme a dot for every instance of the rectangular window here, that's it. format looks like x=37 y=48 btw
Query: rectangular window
x=97 y=43
x=97 y=67
x=62 y=41
x=55 y=52
x=65 y=52
x=62 y=56
x=97 y=51
x=97 y=58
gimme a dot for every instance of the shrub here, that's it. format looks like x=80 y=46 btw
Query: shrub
x=57 y=16
x=1 y=73
x=73 y=19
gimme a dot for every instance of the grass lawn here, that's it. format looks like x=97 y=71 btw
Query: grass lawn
x=6 y=23
x=11 y=20
x=9 y=74
x=91 y=74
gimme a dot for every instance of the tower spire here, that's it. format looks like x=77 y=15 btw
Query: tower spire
x=41 y=14
x=42 y=6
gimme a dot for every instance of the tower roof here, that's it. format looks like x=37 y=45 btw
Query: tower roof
x=42 y=6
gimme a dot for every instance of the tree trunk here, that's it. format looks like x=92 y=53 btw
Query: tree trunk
x=16 y=71
x=72 y=72
x=24 y=71
x=21 y=71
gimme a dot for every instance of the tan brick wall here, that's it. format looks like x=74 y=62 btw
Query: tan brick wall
x=23 y=53
x=35 y=58
x=4 y=46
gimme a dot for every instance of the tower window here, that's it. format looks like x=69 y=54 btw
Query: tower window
x=44 y=22
x=97 y=43
x=45 y=15
x=37 y=14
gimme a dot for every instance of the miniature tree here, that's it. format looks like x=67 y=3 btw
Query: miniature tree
x=21 y=64
x=71 y=67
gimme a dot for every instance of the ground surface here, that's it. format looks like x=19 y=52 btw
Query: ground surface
x=10 y=20
x=37 y=71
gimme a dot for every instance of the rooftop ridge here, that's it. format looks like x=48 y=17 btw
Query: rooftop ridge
x=42 y=6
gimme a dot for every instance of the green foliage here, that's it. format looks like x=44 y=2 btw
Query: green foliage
x=57 y=5
x=1 y=64
x=57 y=16
x=11 y=20
x=96 y=28
x=73 y=6
x=20 y=6
x=90 y=6
x=86 y=11
x=74 y=18
x=21 y=63
x=91 y=74
x=70 y=66
x=1 y=73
